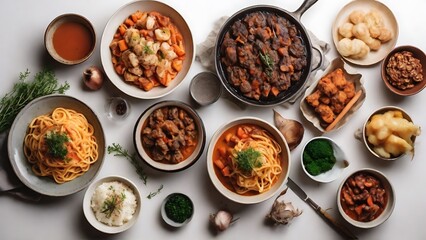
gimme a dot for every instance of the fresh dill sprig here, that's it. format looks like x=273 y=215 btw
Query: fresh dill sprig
x=248 y=159
x=152 y=194
x=119 y=151
x=23 y=92
x=56 y=144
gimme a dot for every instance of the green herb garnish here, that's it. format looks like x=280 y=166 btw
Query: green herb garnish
x=56 y=144
x=113 y=203
x=152 y=194
x=178 y=208
x=268 y=63
x=147 y=50
x=119 y=151
x=248 y=159
x=23 y=92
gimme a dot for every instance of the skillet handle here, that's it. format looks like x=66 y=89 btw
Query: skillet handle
x=305 y=6
x=321 y=59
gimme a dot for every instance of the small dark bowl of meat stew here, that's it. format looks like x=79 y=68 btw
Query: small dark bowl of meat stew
x=169 y=136
x=263 y=55
x=366 y=198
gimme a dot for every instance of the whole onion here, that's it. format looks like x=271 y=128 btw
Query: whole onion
x=93 y=78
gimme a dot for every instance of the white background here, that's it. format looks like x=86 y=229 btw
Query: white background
x=21 y=48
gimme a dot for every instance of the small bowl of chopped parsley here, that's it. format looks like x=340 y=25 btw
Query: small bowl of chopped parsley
x=177 y=209
x=323 y=160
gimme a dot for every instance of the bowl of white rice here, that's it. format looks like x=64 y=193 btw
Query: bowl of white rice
x=112 y=204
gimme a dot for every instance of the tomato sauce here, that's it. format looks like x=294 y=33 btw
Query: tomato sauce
x=72 y=41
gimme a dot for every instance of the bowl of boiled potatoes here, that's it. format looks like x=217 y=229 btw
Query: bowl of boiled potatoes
x=389 y=133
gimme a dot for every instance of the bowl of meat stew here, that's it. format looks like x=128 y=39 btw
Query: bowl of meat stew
x=366 y=198
x=263 y=55
x=169 y=136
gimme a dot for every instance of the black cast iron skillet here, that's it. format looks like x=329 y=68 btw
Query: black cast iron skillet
x=294 y=18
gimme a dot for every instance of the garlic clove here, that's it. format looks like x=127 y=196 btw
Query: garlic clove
x=93 y=78
x=222 y=220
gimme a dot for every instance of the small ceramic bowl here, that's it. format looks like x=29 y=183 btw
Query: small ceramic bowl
x=205 y=88
x=338 y=168
x=90 y=215
x=361 y=134
x=166 y=166
x=419 y=86
x=165 y=216
x=77 y=42
x=117 y=108
x=390 y=200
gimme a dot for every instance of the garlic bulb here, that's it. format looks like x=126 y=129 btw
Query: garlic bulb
x=283 y=212
x=222 y=220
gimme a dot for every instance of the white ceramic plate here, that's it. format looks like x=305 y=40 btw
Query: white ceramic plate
x=366 y=6
x=285 y=163
x=119 y=16
x=90 y=215
x=46 y=185
x=338 y=168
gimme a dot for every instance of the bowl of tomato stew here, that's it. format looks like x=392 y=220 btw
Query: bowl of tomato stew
x=169 y=136
x=366 y=198
x=248 y=160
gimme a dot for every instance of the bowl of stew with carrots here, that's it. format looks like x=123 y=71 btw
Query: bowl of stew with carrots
x=169 y=136
x=366 y=198
x=147 y=49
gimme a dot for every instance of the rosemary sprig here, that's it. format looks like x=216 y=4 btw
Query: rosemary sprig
x=113 y=203
x=268 y=63
x=152 y=194
x=23 y=92
x=119 y=151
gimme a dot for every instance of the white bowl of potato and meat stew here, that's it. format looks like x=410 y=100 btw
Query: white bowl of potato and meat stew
x=147 y=49
x=248 y=160
x=169 y=136
x=366 y=198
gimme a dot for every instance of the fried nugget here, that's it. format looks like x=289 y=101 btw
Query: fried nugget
x=326 y=113
x=326 y=86
x=313 y=99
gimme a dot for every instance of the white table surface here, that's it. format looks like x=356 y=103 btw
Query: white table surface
x=22 y=48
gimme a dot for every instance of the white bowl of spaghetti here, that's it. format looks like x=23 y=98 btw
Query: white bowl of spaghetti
x=56 y=145
x=248 y=160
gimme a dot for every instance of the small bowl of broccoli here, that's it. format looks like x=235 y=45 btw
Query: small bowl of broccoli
x=323 y=160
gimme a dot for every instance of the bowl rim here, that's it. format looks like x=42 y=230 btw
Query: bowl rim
x=74 y=17
x=167 y=219
x=231 y=195
x=88 y=212
x=105 y=54
x=390 y=205
x=49 y=187
x=380 y=111
x=163 y=166
x=337 y=150
x=417 y=53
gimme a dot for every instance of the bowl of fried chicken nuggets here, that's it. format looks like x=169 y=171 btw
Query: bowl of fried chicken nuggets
x=334 y=97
